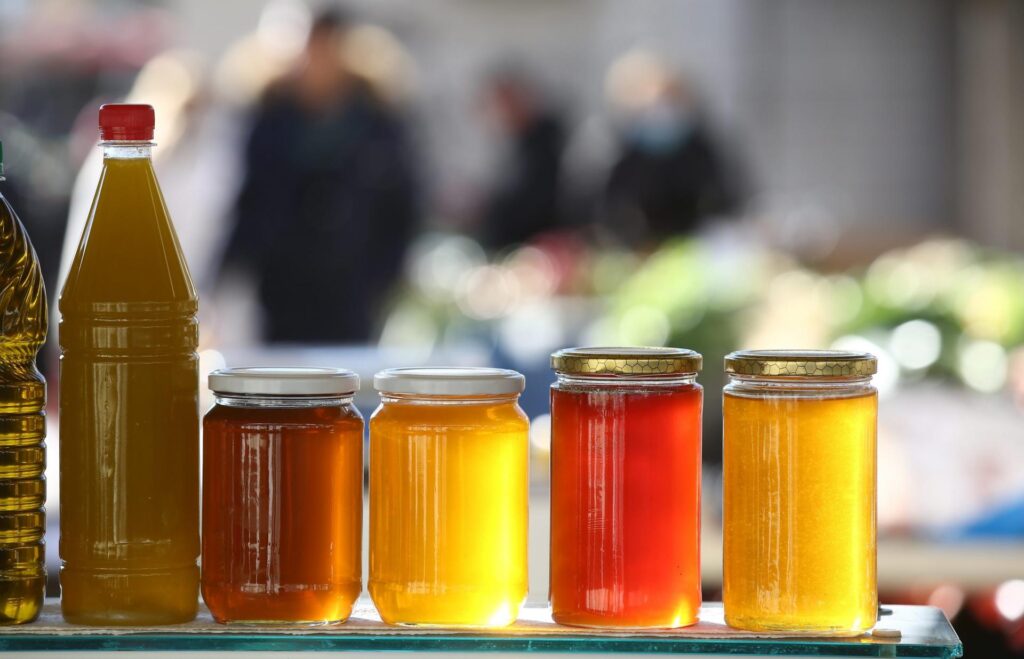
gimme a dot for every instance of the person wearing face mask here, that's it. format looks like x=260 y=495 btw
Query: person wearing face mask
x=669 y=176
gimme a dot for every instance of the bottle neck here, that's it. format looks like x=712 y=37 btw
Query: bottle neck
x=127 y=150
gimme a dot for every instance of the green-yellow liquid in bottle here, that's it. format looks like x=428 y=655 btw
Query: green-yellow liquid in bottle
x=129 y=418
x=22 y=423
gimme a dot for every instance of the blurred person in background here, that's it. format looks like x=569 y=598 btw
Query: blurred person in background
x=327 y=204
x=669 y=175
x=525 y=200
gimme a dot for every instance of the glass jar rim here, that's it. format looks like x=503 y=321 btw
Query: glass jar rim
x=626 y=361
x=801 y=363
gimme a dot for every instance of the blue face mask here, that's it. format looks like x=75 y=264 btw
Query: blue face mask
x=659 y=129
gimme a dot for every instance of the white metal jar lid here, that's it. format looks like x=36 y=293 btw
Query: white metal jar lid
x=449 y=381
x=284 y=381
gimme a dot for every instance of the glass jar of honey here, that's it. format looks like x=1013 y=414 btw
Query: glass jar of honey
x=448 y=497
x=282 y=496
x=625 y=487
x=799 y=491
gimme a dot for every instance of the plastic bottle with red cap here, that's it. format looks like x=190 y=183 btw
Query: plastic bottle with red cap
x=129 y=418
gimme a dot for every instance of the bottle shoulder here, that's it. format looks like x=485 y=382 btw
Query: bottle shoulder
x=24 y=308
x=129 y=259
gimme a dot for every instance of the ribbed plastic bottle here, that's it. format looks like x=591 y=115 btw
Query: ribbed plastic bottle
x=129 y=417
x=22 y=422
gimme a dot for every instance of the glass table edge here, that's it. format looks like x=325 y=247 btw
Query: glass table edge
x=12 y=641
x=930 y=635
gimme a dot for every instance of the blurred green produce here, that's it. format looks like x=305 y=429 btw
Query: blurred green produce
x=941 y=309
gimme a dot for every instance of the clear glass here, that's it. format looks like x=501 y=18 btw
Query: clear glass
x=22 y=424
x=625 y=501
x=129 y=414
x=799 y=504
x=282 y=509
x=448 y=510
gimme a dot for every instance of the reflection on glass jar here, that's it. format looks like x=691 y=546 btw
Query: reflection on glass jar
x=448 y=497
x=799 y=492
x=625 y=487
x=282 y=496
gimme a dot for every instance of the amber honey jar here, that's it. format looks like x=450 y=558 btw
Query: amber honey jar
x=282 y=496
x=449 y=452
x=799 y=492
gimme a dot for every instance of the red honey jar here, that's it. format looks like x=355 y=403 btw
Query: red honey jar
x=625 y=487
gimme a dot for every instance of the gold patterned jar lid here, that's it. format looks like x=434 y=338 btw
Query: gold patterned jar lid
x=801 y=363
x=626 y=361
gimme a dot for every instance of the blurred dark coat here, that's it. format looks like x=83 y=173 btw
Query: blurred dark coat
x=526 y=200
x=325 y=214
x=653 y=194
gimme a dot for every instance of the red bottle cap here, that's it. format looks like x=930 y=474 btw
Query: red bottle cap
x=125 y=121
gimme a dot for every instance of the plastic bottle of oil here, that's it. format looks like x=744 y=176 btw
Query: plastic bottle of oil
x=22 y=422
x=129 y=385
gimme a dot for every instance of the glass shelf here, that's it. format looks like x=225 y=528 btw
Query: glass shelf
x=923 y=632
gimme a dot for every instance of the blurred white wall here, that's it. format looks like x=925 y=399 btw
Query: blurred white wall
x=990 y=103
x=851 y=106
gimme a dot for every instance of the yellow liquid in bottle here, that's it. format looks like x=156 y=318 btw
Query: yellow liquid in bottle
x=799 y=517
x=22 y=425
x=129 y=418
x=448 y=513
